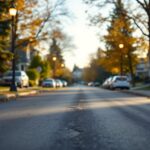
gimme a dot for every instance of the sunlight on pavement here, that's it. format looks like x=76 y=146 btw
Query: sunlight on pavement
x=82 y=105
x=32 y=112
x=69 y=93
x=116 y=103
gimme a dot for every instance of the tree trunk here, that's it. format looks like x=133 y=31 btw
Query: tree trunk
x=121 y=63
x=149 y=45
x=131 y=68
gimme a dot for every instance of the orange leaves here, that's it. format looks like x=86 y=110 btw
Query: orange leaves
x=20 y=4
x=115 y=70
x=37 y=22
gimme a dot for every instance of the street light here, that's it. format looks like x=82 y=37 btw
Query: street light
x=54 y=60
x=121 y=46
x=13 y=12
x=62 y=65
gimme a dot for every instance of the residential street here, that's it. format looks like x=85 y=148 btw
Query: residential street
x=76 y=118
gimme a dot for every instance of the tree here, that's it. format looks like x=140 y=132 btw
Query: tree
x=142 y=20
x=34 y=76
x=65 y=74
x=4 y=25
x=5 y=55
x=97 y=71
x=41 y=66
x=55 y=51
x=35 y=20
x=5 y=58
x=121 y=32
x=46 y=71
x=138 y=11
x=36 y=61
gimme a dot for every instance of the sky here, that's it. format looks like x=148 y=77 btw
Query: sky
x=84 y=37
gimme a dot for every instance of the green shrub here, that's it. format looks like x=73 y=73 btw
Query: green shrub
x=33 y=75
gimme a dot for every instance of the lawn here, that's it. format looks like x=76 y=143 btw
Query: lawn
x=146 y=88
x=5 y=90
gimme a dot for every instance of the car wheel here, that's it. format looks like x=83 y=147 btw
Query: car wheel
x=27 y=86
x=21 y=85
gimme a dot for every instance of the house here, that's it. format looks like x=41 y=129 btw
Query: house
x=24 y=57
x=142 y=69
x=77 y=74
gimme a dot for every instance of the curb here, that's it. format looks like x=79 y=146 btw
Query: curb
x=8 y=97
x=27 y=93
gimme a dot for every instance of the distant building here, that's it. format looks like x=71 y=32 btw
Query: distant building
x=24 y=57
x=77 y=74
x=142 y=69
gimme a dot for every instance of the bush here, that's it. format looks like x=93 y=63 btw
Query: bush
x=33 y=75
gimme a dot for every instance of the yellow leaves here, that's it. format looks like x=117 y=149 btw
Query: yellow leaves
x=29 y=11
x=37 y=22
x=115 y=70
x=5 y=55
x=25 y=4
x=20 y=4
x=59 y=72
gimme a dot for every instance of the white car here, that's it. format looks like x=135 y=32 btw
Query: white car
x=121 y=82
x=49 y=83
x=107 y=83
x=21 y=78
x=64 y=83
x=58 y=83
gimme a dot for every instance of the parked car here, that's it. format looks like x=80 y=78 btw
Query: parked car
x=49 y=83
x=121 y=82
x=58 y=83
x=21 y=79
x=91 y=84
x=64 y=83
x=96 y=84
x=107 y=83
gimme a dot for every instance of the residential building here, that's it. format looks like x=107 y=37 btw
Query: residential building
x=142 y=69
x=77 y=74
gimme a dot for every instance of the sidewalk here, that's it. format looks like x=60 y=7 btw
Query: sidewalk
x=140 y=91
x=145 y=93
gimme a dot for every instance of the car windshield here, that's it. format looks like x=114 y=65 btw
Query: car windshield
x=47 y=80
x=10 y=74
x=121 y=79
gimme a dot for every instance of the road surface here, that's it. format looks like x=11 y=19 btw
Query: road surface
x=76 y=118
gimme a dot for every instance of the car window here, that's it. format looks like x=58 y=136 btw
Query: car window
x=47 y=80
x=121 y=79
x=10 y=74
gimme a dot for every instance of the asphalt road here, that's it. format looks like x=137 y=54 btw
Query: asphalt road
x=77 y=118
